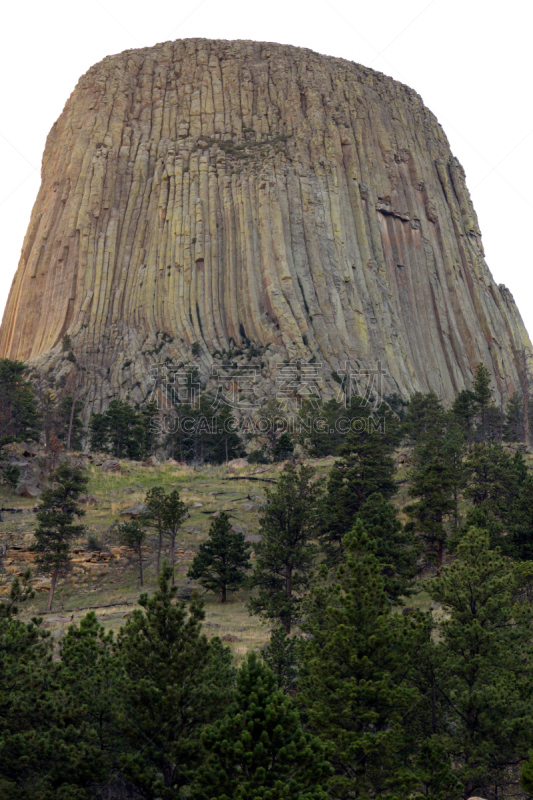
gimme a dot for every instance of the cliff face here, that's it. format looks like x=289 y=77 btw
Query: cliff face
x=201 y=195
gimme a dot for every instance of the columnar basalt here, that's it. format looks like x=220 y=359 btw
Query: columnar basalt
x=202 y=196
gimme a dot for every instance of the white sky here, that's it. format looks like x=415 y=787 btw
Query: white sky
x=469 y=59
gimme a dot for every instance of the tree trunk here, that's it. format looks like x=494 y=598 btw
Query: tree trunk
x=288 y=593
x=440 y=554
x=141 y=566
x=172 y=548
x=71 y=419
x=159 y=545
x=526 y=416
x=223 y=594
x=52 y=588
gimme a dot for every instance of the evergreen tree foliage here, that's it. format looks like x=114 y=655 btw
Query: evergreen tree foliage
x=11 y=475
x=395 y=548
x=285 y=556
x=154 y=502
x=56 y=527
x=518 y=542
x=464 y=414
x=174 y=682
x=486 y=666
x=63 y=421
x=284 y=448
x=526 y=778
x=353 y=681
x=424 y=413
x=149 y=417
x=88 y=678
x=321 y=432
x=226 y=444
x=173 y=514
x=513 y=430
x=98 y=433
x=281 y=656
x=204 y=433
x=366 y=467
x=48 y=750
x=222 y=561
x=133 y=535
x=125 y=431
x=482 y=398
x=19 y=417
x=259 y=751
x=436 y=476
x=494 y=478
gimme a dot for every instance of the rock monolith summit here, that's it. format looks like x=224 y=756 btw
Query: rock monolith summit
x=201 y=198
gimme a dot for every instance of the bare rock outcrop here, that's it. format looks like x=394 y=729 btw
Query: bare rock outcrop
x=204 y=197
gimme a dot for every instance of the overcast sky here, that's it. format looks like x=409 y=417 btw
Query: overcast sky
x=469 y=59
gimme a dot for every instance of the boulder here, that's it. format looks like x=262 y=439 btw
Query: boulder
x=251 y=506
x=237 y=463
x=25 y=489
x=134 y=511
x=88 y=499
x=151 y=461
x=111 y=465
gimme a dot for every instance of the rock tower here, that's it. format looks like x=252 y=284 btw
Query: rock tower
x=201 y=198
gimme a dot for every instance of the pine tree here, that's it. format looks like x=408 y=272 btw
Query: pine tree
x=435 y=479
x=394 y=548
x=486 y=666
x=353 y=681
x=514 y=419
x=526 y=777
x=464 y=413
x=174 y=682
x=19 y=418
x=226 y=443
x=69 y=419
x=48 y=748
x=11 y=475
x=173 y=514
x=221 y=562
x=259 y=751
x=482 y=397
x=285 y=555
x=88 y=676
x=424 y=412
x=148 y=418
x=320 y=431
x=125 y=430
x=494 y=478
x=120 y=430
x=284 y=448
x=366 y=467
x=518 y=543
x=281 y=656
x=153 y=517
x=56 y=528
x=133 y=535
x=98 y=433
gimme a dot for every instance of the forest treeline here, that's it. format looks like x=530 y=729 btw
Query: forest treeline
x=206 y=430
x=358 y=694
